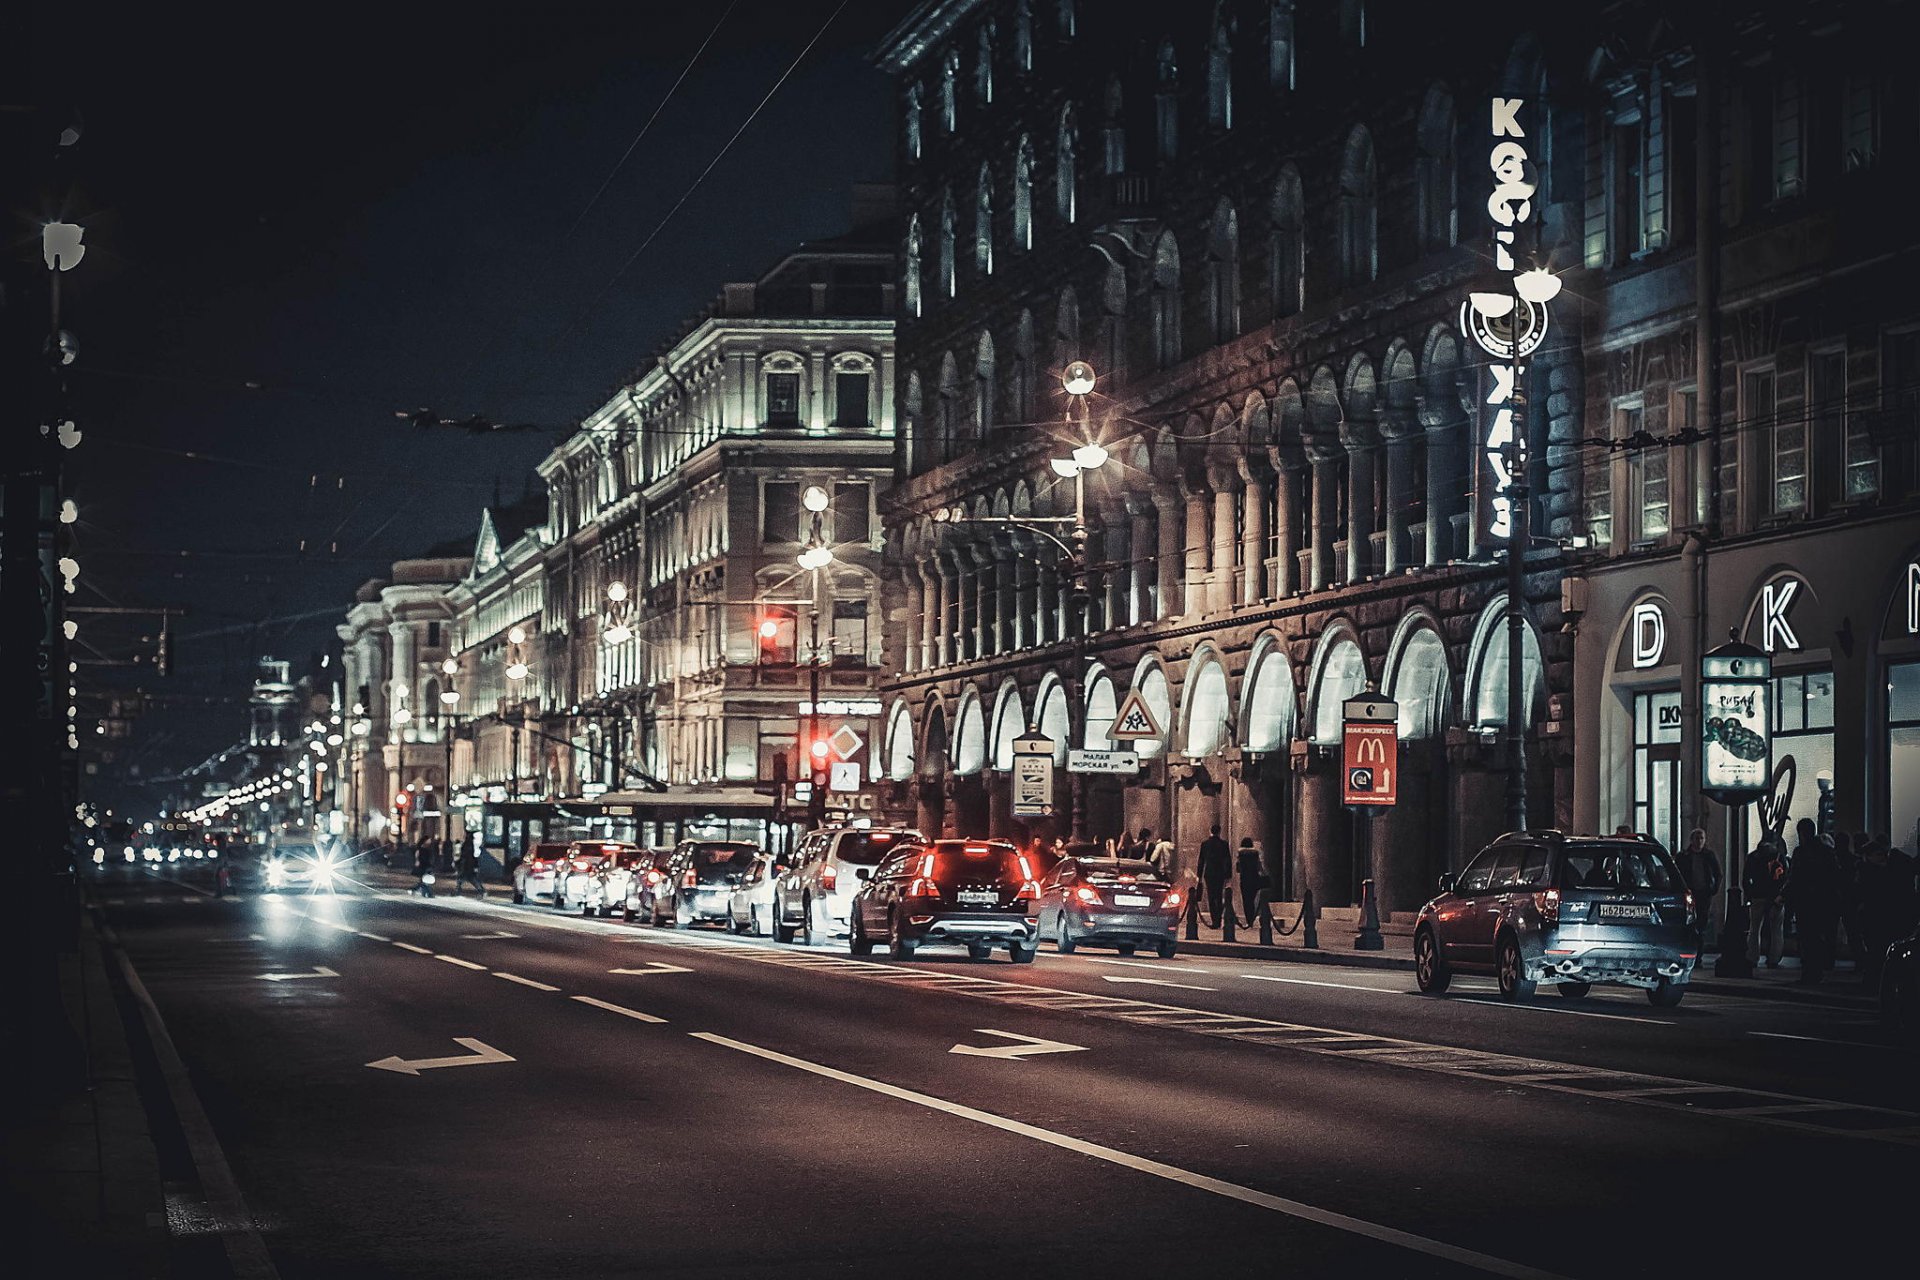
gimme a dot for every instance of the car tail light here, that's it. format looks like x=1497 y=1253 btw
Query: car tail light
x=1088 y=894
x=654 y=877
x=689 y=880
x=1688 y=898
x=1026 y=872
x=828 y=877
x=923 y=887
x=926 y=866
x=1550 y=906
x=1173 y=898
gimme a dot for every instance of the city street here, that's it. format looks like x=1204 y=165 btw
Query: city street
x=424 y=1088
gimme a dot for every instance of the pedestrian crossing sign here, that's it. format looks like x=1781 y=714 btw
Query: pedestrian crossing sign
x=1134 y=720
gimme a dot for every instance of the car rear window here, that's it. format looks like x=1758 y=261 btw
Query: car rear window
x=1114 y=868
x=869 y=848
x=720 y=859
x=965 y=860
x=1619 y=866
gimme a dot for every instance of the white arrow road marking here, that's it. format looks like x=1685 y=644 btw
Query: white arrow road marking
x=1157 y=982
x=1032 y=1045
x=655 y=966
x=1148 y=964
x=482 y=937
x=482 y=1053
x=319 y=971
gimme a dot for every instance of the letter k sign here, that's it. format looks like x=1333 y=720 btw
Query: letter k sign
x=1776 y=632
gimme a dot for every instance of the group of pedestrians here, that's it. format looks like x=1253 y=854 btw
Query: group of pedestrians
x=439 y=855
x=1857 y=887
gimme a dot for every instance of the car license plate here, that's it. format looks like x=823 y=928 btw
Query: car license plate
x=978 y=898
x=1625 y=911
x=1131 y=900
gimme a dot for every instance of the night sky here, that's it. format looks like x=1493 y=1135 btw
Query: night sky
x=377 y=210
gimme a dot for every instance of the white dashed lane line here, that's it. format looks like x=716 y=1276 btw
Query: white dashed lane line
x=635 y=1014
x=525 y=982
x=464 y=964
x=419 y=951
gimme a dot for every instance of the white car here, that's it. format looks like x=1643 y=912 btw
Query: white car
x=610 y=882
x=299 y=866
x=576 y=880
x=814 y=898
x=533 y=875
x=750 y=907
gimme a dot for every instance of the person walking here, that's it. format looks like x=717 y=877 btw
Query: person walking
x=1253 y=877
x=1161 y=855
x=1216 y=865
x=1762 y=877
x=423 y=867
x=470 y=866
x=1812 y=889
x=1847 y=867
x=1701 y=867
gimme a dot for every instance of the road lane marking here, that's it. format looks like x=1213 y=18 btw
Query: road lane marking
x=1853 y=1044
x=635 y=1014
x=419 y=951
x=1148 y=964
x=1172 y=1173
x=655 y=966
x=525 y=982
x=1575 y=1013
x=464 y=964
x=374 y=937
x=484 y=937
x=319 y=971
x=482 y=1054
x=1309 y=982
x=1033 y=1045
x=1156 y=982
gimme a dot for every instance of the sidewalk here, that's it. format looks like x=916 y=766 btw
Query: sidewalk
x=83 y=1171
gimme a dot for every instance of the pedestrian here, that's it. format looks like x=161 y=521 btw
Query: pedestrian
x=423 y=868
x=1216 y=865
x=469 y=867
x=1873 y=883
x=1253 y=876
x=1161 y=856
x=1812 y=889
x=1761 y=878
x=1701 y=867
x=1847 y=865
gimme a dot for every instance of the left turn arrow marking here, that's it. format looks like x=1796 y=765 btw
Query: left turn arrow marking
x=319 y=971
x=482 y=1053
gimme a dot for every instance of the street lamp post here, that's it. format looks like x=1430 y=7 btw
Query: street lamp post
x=450 y=719
x=618 y=631
x=817 y=556
x=516 y=672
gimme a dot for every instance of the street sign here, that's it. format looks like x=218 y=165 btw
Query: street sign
x=1134 y=720
x=1103 y=762
x=1032 y=786
x=1370 y=752
x=843 y=775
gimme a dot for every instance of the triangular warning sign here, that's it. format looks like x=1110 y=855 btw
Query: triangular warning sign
x=1133 y=720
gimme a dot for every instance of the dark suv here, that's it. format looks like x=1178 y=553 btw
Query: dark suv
x=1570 y=911
x=699 y=881
x=982 y=893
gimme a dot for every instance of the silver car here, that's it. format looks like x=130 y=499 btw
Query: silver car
x=1117 y=902
x=750 y=906
x=1569 y=911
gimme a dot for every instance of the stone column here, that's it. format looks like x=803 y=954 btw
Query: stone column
x=929 y=621
x=1025 y=608
x=1359 y=510
x=1140 y=515
x=980 y=552
x=1116 y=537
x=1326 y=509
x=1196 y=544
x=1285 y=520
x=1046 y=603
x=1226 y=535
x=1167 y=549
x=1402 y=431
x=1007 y=607
x=945 y=585
x=1253 y=543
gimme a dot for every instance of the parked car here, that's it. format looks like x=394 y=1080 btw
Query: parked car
x=606 y=885
x=1118 y=902
x=750 y=905
x=814 y=898
x=700 y=879
x=533 y=875
x=643 y=886
x=574 y=881
x=1900 y=989
x=1570 y=911
x=981 y=893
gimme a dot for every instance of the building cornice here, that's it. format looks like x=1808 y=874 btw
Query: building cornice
x=925 y=27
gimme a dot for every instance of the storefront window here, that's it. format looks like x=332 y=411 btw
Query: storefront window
x=1803 y=729
x=1903 y=754
x=1656 y=767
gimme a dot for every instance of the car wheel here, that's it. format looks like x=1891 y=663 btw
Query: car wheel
x=1062 y=940
x=807 y=933
x=1514 y=984
x=586 y=908
x=519 y=896
x=1125 y=948
x=681 y=919
x=782 y=931
x=626 y=913
x=1666 y=994
x=1429 y=970
x=979 y=951
x=1021 y=952
x=899 y=945
x=1575 y=990
x=1168 y=947
x=858 y=943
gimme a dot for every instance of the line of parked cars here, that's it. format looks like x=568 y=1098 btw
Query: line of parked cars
x=890 y=887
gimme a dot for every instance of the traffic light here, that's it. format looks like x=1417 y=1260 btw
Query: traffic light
x=817 y=795
x=775 y=632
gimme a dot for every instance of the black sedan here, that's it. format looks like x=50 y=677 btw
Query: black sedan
x=981 y=893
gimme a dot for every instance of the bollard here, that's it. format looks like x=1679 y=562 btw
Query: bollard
x=1310 y=920
x=1734 y=961
x=1193 y=919
x=1368 y=939
x=1226 y=923
x=1266 y=920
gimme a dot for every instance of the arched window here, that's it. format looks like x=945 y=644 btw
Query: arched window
x=1269 y=715
x=1023 y=194
x=1113 y=128
x=1113 y=307
x=948 y=281
x=1420 y=685
x=1009 y=722
x=1052 y=718
x=1166 y=102
x=1342 y=675
x=983 y=66
x=1066 y=329
x=1287 y=245
x=1207 y=710
x=1220 y=79
x=983 y=387
x=1280 y=48
x=969 y=737
x=913 y=444
x=950 y=91
x=1066 y=197
x=1101 y=708
x=1066 y=18
x=1359 y=211
x=949 y=407
x=1152 y=683
x=913 y=265
x=1020 y=377
x=1353 y=22
x=1223 y=273
x=1434 y=172
x=983 y=223
x=1023 y=35
x=900 y=744
x=916 y=102
x=1488 y=708
x=1163 y=302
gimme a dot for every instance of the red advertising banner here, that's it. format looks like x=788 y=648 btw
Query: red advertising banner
x=1370 y=763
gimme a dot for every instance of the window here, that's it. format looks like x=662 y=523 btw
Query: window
x=850 y=399
x=983 y=66
x=1280 y=72
x=1479 y=873
x=1065 y=195
x=1220 y=80
x=1223 y=273
x=1166 y=103
x=1287 y=245
x=1629 y=204
x=1023 y=194
x=1113 y=133
x=1772 y=127
x=1903 y=753
x=775 y=632
x=913 y=266
x=433 y=635
x=949 y=91
x=1803 y=729
x=1656 y=766
x=1681 y=139
x=1065 y=17
x=1647 y=469
x=1359 y=212
x=1786 y=436
x=916 y=103
x=984 y=406
x=852 y=517
x=947 y=275
x=1353 y=22
x=1827 y=435
x=780 y=511
x=1438 y=214
x=1859 y=119
x=1596 y=487
x=783 y=399
x=850 y=632
x=983 y=224
x=1023 y=35
x=1164 y=302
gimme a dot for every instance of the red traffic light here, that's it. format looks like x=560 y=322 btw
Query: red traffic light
x=769 y=628
x=819 y=750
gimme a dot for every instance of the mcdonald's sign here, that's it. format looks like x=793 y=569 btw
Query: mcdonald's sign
x=1370 y=752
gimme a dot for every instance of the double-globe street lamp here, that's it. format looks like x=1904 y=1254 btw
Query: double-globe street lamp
x=1077 y=380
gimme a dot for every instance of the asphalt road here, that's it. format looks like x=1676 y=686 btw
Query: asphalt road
x=736 y=1108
